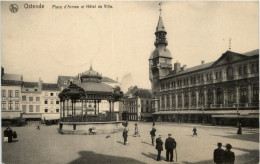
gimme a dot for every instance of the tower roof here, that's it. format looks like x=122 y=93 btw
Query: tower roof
x=160 y=26
x=91 y=73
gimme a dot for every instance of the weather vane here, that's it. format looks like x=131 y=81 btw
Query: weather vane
x=160 y=8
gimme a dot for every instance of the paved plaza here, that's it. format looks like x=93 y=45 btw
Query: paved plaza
x=48 y=146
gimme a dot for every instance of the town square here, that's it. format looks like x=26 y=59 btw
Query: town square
x=130 y=82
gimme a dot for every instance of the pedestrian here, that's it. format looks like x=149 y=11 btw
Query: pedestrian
x=152 y=133
x=239 y=131
x=10 y=135
x=159 y=147
x=136 y=130
x=153 y=123
x=229 y=156
x=219 y=154
x=125 y=136
x=14 y=136
x=38 y=125
x=194 y=132
x=6 y=135
x=170 y=145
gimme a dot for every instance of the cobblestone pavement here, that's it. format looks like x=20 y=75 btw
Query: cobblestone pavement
x=48 y=146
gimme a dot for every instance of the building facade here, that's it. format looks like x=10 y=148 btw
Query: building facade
x=11 y=95
x=136 y=104
x=224 y=91
x=31 y=100
x=50 y=102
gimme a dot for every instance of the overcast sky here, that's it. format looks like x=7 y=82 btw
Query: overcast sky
x=50 y=42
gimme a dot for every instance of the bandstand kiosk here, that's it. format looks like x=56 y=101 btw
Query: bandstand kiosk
x=76 y=116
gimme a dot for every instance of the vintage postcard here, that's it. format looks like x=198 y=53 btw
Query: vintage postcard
x=121 y=82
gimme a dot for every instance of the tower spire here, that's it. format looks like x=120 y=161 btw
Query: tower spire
x=229 y=44
x=160 y=8
x=90 y=64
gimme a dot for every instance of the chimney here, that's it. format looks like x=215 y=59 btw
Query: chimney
x=177 y=67
x=40 y=84
x=202 y=62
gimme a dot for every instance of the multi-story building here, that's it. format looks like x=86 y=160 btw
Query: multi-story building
x=11 y=95
x=220 y=92
x=137 y=104
x=31 y=100
x=50 y=102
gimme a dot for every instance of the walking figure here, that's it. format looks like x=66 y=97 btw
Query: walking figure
x=229 y=156
x=159 y=147
x=152 y=133
x=219 y=154
x=10 y=135
x=194 y=132
x=125 y=136
x=38 y=125
x=239 y=131
x=136 y=131
x=170 y=145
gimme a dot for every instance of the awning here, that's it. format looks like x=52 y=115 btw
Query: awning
x=31 y=115
x=235 y=116
x=51 y=116
x=10 y=114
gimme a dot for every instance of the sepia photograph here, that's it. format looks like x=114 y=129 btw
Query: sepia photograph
x=129 y=82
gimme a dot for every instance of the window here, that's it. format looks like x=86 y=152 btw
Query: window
x=216 y=75
x=45 y=101
x=46 y=110
x=167 y=100
x=30 y=108
x=37 y=108
x=23 y=98
x=3 y=93
x=57 y=110
x=173 y=100
x=240 y=70
x=35 y=90
x=24 y=108
x=193 y=99
x=219 y=96
x=244 y=70
x=255 y=93
x=57 y=102
x=186 y=99
x=179 y=100
x=201 y=98
x=37 y=98
x=30 y=98
x=16 y=93
x=210 y=97
x=51 y=94
x=229 y=72
x=220 y=74
x=3 y=105
x=163 y=103
x=27 y=89
x=17 y=105
x=243 y=97
x=255 y=67
x=210 y=76
x=10 y=93
x=230 y=96
x=10 y=105
x=147 y=102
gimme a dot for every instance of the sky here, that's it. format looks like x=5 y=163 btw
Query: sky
x=44 y=43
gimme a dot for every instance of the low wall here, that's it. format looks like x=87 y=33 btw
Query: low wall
x=83 y=127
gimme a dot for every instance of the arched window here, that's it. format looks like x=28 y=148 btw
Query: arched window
x=219 y=95
x=168 y=101
x=230 y=96
x=240 y=70
x=229 y=72
x=186 y=99
x=210 y=97
x=201 y=98
x=243 y=95
x=163 y=102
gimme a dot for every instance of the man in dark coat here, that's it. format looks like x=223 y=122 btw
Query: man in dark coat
x=10 y=135
x=170 y=145
x=125 y=136
x=159 y=147
x=6 y=135
x=219 y=154
x=152 y=133
x=229 y=156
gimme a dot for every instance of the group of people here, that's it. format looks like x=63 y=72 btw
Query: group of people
x=224 y=156
x=9 y=135
x=170 y=145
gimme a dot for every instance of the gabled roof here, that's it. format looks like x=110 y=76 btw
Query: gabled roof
x=252 y=53
x=50 y=86
x=30 y=84
x=15 y=77
x=10 y=83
